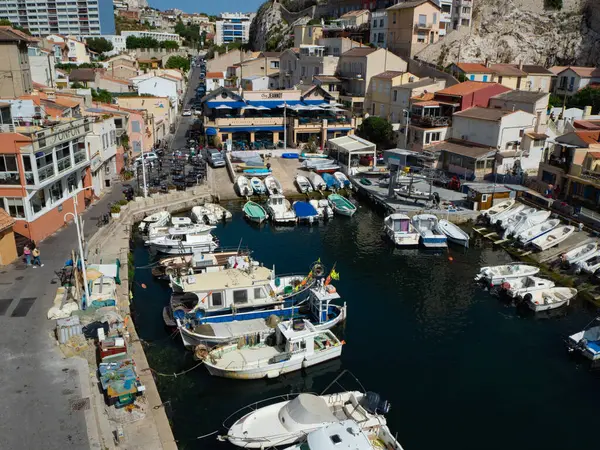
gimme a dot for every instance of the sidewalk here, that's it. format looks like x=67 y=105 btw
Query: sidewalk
x=43 y=405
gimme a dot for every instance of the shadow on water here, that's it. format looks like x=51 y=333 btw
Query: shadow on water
x=461 y=368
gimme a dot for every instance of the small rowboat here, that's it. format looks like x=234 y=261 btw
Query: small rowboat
x=303 y=184
x=454 y=233
x=342 y=179
x=498 y=208
x=273 y=185
x=290 y=155
x=553 y=238
x=258 y=186
x=341 y=205
x=366 y=182
x=243 y=185
x=254 y=212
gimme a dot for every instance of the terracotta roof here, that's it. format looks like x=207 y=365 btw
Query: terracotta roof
x=425 y=96
x=38 y=85
x=9 y=34
x=587 y=124
x=5 y=220
x=214 y=75
x=422 y=102
x=60 y=100
x=115 y=80
x=82 y=75
x=595 y=155
x=509 y=70
x=557 y=69
x=589 y=137
x=537 y=135
x=493 y=114
x=521 y=96
x=389 y=74
x=360 y=51
x=355 y=13
x=473 y=68
x=413 y=4
x=465 y=88
x=536 y=70
x=463 y=148
x=584 y=72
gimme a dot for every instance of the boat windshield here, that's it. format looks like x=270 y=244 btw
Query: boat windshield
x=400 y=225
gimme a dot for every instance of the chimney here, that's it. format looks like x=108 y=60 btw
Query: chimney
x=540 y=126
x=587 y=112
x=521 y=65
x=487 y=62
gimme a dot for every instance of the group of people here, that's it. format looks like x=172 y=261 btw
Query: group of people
x=34 y=253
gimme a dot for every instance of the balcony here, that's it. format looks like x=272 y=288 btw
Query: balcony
x=431 y=121
x=423 y=26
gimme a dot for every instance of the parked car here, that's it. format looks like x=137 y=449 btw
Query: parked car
x=150 y=157
x=186 y=112
x=215 y=158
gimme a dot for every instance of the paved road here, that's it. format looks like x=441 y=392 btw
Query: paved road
x=38 y=385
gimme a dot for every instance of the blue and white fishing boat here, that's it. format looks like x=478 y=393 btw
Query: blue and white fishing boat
x=257 y=172
x=331 y=182
x=342 y=179
x=305 y=212
x=587 y=341
x=258 y=186
x=539 y=230
x=428 y=228
x=223 y=306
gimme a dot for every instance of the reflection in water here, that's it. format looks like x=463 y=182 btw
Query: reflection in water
x=419 y=331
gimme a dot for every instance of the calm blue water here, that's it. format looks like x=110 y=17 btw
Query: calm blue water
x=461 y=368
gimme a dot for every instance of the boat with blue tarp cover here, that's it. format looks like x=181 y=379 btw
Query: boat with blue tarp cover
x=331 y=181
x=305 y=212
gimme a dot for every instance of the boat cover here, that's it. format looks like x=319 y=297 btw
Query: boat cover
x=305 y=209
x=330 y=180
x=309 y=409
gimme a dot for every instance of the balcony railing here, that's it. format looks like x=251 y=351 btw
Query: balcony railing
x=431 y=121
x=243 y=121
x=423 y=26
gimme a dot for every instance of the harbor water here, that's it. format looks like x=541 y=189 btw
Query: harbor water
x=462 y=369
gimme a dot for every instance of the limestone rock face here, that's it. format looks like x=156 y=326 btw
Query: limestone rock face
x=510 y=31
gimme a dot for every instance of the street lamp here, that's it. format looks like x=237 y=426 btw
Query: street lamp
x=79 y=242
x=406 y=113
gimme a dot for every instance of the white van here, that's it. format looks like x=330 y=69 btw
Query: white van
x=150 y=157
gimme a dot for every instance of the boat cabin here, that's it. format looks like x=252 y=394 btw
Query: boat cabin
x=301 y=336
x=276 y=200
x=103 y=292
x=398 y=223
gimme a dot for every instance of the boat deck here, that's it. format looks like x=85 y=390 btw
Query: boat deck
x=233 y=329
x=246 y=357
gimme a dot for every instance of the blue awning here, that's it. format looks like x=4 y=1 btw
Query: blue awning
x=230 y=104
x=331 y=130
x=314 y=102
x=211 y=132
x=256 y=128
x=273 y=103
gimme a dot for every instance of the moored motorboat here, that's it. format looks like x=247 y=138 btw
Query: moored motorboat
x=317 y=181
x=303 y=184
x=254 y=212
x=518 y=287
x=201 y=214
x=323 y=208
x=497 y=274
x=454 y=233
x=305 y=212
x=218 y=211
x=580 y=253
x=506 y=214
x=273 y=185
x=427 y=227
x=590 y=263
x=243 y=186
x=552 y=298
x=183 y=242
x=400 y=230
x=258 y=186
x=527 y=222
x=331 y=181
x=280 y=210
x=587 y=341
x=411 y=193
x=191 y=228
x=514 y=219
x=498 y=208
x=289 y=421
x=526 y=236
x=342 y=179
x=257 y=172
x=341 y=205
x=159 y=219
x=554 y=237
x=329 y=168
x=295 y=345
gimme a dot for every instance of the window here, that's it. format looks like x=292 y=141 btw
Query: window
x=434 y=18
x=422 y=19
x=375 y=23
x=472 y=77
x=63 y=156
x=274 y=64
x=113 y=137
x=421 y=37
x=28 y=169
x=240 y=296
x=466 y=10
x=303 y=71
x=465 y=22
x=381 y=23
x=393 y=17
x=9 y=172
x=316 y=72
x=484 y=197
x=310 y=31
x=381 y=110
x=395 y=95
x=135 y=126
x=480 y=165
x=38 y=201
x=55 y=191
x=15 y=207
x=432 y=137
x=72 y=184
x=259 y=293
x=217 y=299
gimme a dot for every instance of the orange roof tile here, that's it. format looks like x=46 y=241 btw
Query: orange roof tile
x=589 y=137
x=473 y=68
x=115 y=80
x=214 y=75
x=5 y=220
x=466 y=87
x=60 y=100
x=595 y=155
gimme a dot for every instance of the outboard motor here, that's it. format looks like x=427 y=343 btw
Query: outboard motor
x=373 y=404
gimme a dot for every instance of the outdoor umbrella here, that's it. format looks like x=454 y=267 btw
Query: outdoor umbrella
x=223 y=107
x=250 y=107
x=263 y=108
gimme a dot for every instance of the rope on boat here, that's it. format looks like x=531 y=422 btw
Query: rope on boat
x=174 y=375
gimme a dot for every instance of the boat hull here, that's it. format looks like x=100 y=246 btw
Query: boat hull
x=546 y=306
x=404 y=240
x=277 y=369
x=184 y=249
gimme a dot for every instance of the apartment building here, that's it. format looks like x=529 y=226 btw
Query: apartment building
x=43 y=17
x=16 y=73
x=42 y=66
x=307 y=34
x=379 y=93
x=159 y=36
x=462 y=13
x=233 y=27
x=379 y=28
x=412 y=26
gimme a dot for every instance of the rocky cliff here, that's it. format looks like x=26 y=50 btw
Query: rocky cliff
x=524 y=30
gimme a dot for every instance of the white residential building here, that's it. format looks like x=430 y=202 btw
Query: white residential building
x=116 y=40
x=44 y=17
x=233 y=27
x=462 y=13
x=101 y=143
x=214 y=80
x=446 y=7
x=159 y=36
x=379 y=28
x=42 y=65
x=161 y=86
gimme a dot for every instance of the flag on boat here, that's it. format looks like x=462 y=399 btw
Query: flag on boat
x=334 y=275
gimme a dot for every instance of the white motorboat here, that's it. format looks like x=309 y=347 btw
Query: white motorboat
x=590 y=263
x=526 y=236
x=280 y=210
x=295 y=345
x=323 y=208
x=243 y=186
x=273 y=185
x=159 y=219
x=552 y=298
x=580 y=253
x=454 y=233
x=201 y=214
x=191 y=228
x=527 y=222
x=317 y=163
x=180 y=221
x=342 y=179
x=348 y=435
x=514 y=219
x=217 y=211
x=317 y=181
x=400 y=230
x=183 y=242
x=289 y=421
x=427 y=227
x=303 y=184
x=258 y=186
x=498 y=208
x=506 y=214
x=412 y=193
x=518 y=287
x=554 y=237
x=499 y=274
x=587 y=341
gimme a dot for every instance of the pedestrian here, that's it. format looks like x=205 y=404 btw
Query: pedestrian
x=36 y=257
x=27 y=253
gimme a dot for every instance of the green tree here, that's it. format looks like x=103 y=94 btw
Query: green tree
x=588 y=96
x=555 y=101
x=8 y=23
x=99 y=45
x=178 y=62
x=101 y=95
x=377 y=130
x=169 y=45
